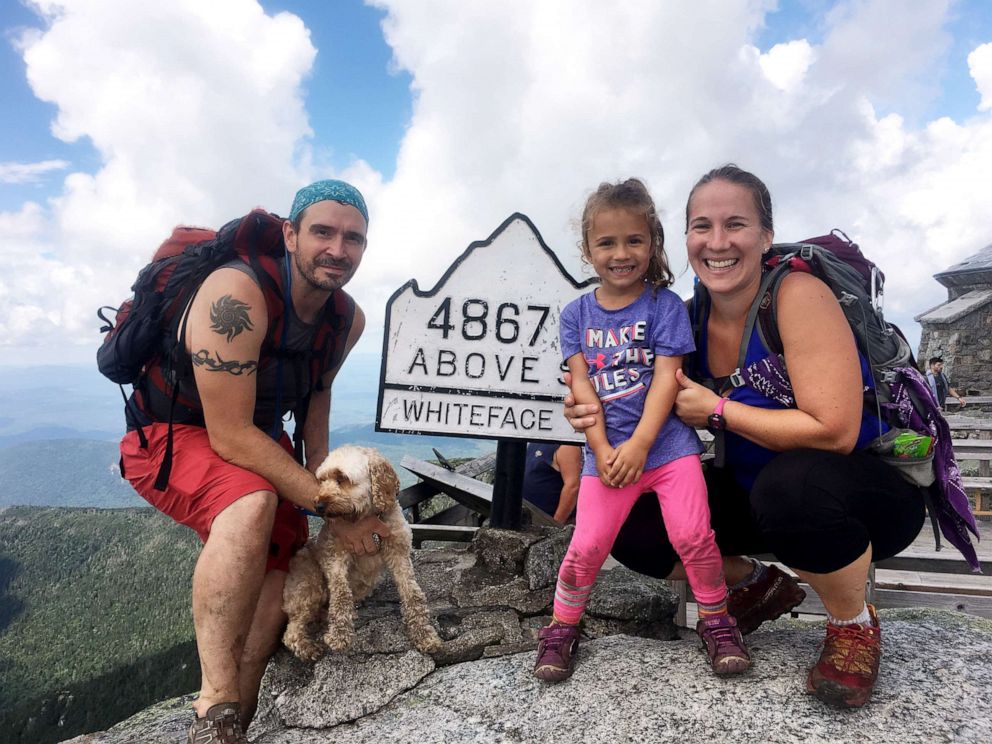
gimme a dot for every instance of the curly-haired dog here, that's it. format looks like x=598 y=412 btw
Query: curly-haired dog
x=355 y=482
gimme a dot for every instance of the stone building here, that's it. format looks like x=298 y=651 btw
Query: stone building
x=960 y=330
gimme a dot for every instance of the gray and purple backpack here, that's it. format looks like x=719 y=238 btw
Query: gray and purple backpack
x=901 y=397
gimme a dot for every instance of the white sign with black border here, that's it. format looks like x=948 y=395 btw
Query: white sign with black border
x=479 y=355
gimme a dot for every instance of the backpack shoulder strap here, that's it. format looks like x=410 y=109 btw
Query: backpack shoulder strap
x=762 y=314
x=760 y=310
x=332 y=335
x=783 y=260
x=329 y=344
x=698 y=308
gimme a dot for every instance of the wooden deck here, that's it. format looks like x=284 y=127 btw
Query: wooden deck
x=950 y=586
x=959 y=578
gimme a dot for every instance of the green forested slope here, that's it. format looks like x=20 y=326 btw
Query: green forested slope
x=64 y=472
x=94 y=617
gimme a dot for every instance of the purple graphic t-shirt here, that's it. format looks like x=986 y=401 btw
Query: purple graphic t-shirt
x=619 y=347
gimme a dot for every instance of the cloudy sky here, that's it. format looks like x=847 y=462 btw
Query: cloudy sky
x=122 y=119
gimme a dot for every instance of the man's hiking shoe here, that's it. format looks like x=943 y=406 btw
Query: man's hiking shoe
x=556 y=649
x=766 y=599
x=220 y=725
x=724 y=644
x=848 y=667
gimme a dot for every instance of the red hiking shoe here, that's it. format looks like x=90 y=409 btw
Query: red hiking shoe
x=556 y=649
x=848 y=667
x=724 y=644
x=765 y=599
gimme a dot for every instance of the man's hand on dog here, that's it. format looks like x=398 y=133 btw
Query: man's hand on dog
x=357 y=537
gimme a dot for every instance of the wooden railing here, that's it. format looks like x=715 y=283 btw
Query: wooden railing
x=979 y=487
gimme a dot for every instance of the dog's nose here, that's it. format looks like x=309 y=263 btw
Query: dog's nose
x=320 y=507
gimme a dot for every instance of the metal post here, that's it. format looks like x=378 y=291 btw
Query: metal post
x=511 y=456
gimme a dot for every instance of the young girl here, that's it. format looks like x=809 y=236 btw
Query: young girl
x=623 y=343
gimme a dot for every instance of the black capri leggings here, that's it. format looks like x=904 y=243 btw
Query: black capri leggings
x=814 y=510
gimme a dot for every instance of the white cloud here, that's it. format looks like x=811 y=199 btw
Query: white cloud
x=29 y=221
x=785 y=65
x=196 y=111
x=980 y=67
x=518 y=106
x=29 y=172
x=523 y=107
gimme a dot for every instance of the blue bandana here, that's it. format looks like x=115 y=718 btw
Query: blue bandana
x=330 y=188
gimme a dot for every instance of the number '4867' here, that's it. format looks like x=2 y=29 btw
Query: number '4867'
x=477 y=323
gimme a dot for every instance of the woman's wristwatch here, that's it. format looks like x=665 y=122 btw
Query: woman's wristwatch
x=715 y=421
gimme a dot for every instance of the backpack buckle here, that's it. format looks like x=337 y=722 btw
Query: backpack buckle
x=736 y=378
x=806 y=253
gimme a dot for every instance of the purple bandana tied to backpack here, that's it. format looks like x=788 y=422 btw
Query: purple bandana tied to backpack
x=953 y=510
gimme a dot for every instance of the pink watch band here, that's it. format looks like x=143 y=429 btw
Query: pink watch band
x=719 y=406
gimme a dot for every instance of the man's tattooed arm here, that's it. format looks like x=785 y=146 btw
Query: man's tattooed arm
x=202 y=358
x=229 y=317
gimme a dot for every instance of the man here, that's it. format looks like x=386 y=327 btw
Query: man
x=939 y=384
x=233 y=477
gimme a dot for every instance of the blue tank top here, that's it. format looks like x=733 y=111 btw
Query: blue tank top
x=744 y=458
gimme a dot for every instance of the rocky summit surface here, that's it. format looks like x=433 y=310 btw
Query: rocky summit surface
x=635 y=679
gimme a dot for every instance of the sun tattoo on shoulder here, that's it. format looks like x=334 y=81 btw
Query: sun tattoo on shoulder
x=229 y=317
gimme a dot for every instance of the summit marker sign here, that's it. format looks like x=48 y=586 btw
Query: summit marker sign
x=479 y=355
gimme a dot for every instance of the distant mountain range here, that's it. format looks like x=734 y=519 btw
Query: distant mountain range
x=85 y=472
x=77 y=402
x=60 y=426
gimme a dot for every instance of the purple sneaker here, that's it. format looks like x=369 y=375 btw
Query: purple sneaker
x=556 y=649
x=724 y=644
x=766 y=599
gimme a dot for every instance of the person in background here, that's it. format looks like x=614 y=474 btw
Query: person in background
x=940 y=386
x=551 y=478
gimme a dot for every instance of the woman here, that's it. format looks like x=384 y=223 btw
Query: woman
x=794 y=482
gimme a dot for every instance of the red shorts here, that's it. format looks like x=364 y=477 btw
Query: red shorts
x=202 y=485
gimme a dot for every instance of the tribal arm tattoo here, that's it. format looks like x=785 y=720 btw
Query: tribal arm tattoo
x=229 y=317
x=202 y=358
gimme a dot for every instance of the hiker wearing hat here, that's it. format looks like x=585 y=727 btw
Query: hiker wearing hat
x=233 y=477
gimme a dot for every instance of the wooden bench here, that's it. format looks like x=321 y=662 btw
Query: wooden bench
x=971 y=402
x=472 y=496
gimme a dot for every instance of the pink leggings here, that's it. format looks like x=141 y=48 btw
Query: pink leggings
x=602 y=510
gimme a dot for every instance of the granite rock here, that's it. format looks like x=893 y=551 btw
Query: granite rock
x=934 y=675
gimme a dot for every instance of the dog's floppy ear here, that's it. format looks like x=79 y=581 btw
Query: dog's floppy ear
x=385 y=483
